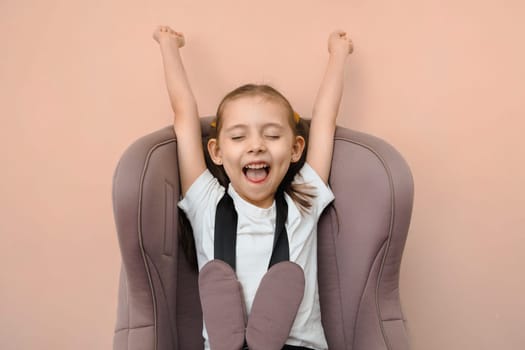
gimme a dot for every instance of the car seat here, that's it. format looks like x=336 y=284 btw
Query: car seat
x=361 y=237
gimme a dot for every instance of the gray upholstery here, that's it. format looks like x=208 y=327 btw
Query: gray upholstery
x=361 y=240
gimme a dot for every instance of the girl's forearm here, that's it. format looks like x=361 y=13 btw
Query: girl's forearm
x=331 y=90
x=179 y=90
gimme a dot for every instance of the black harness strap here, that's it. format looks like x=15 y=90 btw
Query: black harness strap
x=281 y=249
x=225 y=240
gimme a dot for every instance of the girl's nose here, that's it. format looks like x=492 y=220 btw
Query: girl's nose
x=256 y=145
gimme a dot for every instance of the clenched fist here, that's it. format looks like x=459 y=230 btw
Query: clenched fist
x=166 y=33
x=340 y=43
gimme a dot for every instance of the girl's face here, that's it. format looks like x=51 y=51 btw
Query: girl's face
x=255 y=145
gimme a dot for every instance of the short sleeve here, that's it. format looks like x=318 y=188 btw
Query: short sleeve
x=324 y=194
x=205 y=191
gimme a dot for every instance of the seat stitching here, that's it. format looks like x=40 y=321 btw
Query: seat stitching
x=132 y=328
x=389 y=175
x=163 y=290
x=377 y=254
x=332 y=207
x=141 y=245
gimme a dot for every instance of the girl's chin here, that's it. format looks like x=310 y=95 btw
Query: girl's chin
x=261 y=203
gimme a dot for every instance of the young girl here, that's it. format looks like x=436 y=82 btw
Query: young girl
x=258 y=145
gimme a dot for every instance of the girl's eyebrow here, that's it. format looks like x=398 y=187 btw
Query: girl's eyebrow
x=264 y=126
x=273 y=125
x=236 y=126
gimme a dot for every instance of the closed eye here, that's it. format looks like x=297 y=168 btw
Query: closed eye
x=273 y=137
x=237 y=138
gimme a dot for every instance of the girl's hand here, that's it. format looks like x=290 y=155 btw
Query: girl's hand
x=339 y=43
x=166 y=33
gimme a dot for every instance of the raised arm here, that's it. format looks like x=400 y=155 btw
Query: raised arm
x=186 y=117
x=322 y=127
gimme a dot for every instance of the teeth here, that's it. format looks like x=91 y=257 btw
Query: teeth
x=256 y=166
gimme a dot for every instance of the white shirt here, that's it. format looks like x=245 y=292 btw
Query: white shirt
x=255 y=230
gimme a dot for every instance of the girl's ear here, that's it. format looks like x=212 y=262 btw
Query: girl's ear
x=214 y=151
x=297 y=148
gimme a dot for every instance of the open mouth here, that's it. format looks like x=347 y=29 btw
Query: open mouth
x=256 y=172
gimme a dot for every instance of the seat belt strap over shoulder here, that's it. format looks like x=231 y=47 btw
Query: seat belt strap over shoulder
x=225 y=234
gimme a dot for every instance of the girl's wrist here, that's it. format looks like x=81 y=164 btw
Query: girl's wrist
x=168 y=42
x=338 y=56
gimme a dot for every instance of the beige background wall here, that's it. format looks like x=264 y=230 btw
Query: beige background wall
x=443 y=81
